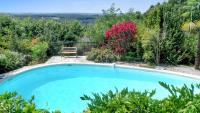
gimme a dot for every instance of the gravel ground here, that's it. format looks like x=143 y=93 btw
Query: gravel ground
x=183 y=69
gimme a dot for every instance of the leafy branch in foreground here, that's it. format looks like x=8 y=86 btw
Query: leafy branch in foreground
x=180 y=100
x=12 y=103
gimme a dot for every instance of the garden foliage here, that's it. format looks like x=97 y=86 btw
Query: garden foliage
x=180 y=100
x=11 y=60
x=25 y=41
x=102 y=55
x=39 y=52
x=160 y=38
x=12 y=103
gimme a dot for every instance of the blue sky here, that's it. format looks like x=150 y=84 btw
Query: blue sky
x=72 y=6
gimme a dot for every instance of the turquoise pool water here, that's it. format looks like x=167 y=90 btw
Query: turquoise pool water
x=61 y=86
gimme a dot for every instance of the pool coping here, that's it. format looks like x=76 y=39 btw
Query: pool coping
x=27 y=68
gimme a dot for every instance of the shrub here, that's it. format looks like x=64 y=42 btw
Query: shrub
x=124 y=101
x=120 y=37
x=54 y=49
x=12 y=103
x=102 y=55
x=180 y=100
x=23 y=46
x=150 y=41
x=92 y=55
x=39 y=52
x=149 y=57
x=10 y=60
x=130 y=56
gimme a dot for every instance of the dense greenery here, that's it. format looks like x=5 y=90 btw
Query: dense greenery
x=111 y=17
x=11 y=60
x=30 y=41
x=180 y=100
x=160 y=37
x=192 y=26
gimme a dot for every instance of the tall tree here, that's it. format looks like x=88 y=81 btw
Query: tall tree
x=155 y=20
x=193 y=25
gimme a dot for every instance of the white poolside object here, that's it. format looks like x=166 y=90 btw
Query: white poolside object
x=114 y=65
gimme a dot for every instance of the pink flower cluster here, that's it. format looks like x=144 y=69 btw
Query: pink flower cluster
x=124 y=27
x=120 y=36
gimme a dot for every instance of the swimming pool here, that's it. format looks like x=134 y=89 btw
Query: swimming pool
x=61 y=86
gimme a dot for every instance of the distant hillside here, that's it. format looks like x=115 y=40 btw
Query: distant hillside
x=82 y=17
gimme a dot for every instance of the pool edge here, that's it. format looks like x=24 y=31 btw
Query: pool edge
x=27 y=68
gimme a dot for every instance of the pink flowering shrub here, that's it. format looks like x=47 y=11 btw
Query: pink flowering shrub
x=120 y=36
